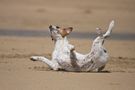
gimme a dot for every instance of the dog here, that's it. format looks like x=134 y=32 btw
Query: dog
x=65 y=57
x=61 y=53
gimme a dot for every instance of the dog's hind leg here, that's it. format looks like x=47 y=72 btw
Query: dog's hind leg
x=108 y=33
x=51 y=64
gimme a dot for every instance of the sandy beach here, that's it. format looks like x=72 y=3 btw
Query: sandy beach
x=18 y=72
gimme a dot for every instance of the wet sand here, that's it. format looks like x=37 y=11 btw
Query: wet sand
x=79 y=35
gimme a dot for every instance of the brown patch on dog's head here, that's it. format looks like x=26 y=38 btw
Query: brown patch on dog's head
x=65 y=31
x=58 y=32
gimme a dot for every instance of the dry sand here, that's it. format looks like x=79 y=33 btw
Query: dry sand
x=17 y=72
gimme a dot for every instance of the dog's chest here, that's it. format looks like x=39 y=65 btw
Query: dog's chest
x=61 y=55
x=62 y=52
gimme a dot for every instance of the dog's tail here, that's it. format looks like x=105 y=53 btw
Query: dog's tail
x=108 y=33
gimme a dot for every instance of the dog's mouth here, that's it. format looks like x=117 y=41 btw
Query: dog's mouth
x=52 y=35
x=54 y=31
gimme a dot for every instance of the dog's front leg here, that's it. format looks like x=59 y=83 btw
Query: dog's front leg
x=51 y=64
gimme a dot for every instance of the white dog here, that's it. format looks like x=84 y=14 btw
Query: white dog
x=65 y=57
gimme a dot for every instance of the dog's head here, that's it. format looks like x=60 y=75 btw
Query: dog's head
x=58 y=32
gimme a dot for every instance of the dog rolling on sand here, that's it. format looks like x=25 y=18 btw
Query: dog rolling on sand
x=61 y=53
x=66 y=58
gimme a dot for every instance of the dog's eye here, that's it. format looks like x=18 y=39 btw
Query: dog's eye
x=57 y=27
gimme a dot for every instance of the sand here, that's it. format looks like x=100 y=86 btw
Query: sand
x=18 y=72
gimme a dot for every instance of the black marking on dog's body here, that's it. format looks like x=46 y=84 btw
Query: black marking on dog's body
x=105 y=51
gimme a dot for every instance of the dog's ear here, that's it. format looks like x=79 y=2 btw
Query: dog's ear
x=65 y=31
x=69 y=30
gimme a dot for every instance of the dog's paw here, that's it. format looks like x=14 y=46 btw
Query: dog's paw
x=33 y=58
